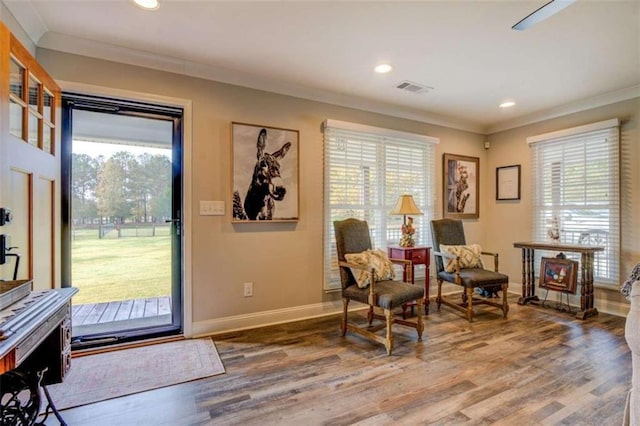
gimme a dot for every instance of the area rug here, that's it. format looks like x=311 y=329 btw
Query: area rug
x=113 y=374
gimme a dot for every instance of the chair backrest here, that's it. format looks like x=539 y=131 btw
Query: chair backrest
x=448 y=232
x=352 y=236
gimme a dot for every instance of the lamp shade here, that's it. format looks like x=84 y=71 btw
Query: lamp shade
x=406 y=206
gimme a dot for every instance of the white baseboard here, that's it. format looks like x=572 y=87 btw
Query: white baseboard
x=262 y=319
x=613 y=308
x=297 y=313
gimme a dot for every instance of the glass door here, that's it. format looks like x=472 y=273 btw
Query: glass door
x=122 y=209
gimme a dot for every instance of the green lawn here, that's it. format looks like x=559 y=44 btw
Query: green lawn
x=111 y=268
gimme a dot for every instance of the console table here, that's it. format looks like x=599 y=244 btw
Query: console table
x=586 y=272
x=417 y=256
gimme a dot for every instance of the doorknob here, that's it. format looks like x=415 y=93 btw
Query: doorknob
x=176 y=222
x=5 y=216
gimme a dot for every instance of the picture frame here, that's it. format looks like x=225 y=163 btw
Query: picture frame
x=559 y=274
x=264 y=173
x=461 y=186
x=508 y=183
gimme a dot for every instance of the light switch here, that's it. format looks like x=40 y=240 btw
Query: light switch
x=211 y=208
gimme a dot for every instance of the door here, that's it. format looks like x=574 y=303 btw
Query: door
x=29 y=174
x=122 y=186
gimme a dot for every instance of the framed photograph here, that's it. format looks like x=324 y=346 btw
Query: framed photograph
x=264 y=170
x=508 y=183
x=559 y=274
x=461 y=186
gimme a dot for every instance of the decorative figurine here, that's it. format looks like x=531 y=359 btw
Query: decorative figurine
x=553 y=232
x=407 y=234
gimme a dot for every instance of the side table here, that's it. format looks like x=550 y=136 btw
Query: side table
x=587 y=308
x=417 y=256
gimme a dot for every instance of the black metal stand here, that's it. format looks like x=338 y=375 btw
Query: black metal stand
x=20 y=399
x=50 y=406
x=559 y=305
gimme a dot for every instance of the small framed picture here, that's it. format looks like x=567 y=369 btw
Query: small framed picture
x=508 y=183
x=559 y=274
x=461 y=186
x=264 y=173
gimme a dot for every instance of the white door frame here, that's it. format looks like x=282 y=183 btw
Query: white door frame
x=185 y=104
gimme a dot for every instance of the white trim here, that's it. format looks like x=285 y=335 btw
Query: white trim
x=29 y=19
x=379 y=131
x=266 y=318
x=618 y=309
x=93 y=49
x=187 y=186
x=299 y=313
x=608 y=98
x=35 y=29
x=607 y=124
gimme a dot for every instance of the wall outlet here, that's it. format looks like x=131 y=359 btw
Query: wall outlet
x=248 y=289
x=211 y=208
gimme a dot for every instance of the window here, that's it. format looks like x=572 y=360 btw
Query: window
x=576 y=182
x=366 y=170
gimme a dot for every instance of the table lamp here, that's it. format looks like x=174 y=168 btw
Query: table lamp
x=406 y=206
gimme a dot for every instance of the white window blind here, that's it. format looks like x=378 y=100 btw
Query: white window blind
x=366 y=170
x=576 y=179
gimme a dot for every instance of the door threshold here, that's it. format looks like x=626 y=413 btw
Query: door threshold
x=127 y=345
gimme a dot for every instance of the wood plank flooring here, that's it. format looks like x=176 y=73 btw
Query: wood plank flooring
x=538 y=367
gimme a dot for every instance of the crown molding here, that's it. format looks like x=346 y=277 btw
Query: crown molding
x=27 y=16
x=90 y=48
x=603 y=99
x=29 y=19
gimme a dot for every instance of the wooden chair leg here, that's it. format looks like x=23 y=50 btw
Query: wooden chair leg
x=420 y=323
x=469 y=294
x=505 y=304
x=343 y=325
x=389 y=340
x=370 y=315
x=439 y=296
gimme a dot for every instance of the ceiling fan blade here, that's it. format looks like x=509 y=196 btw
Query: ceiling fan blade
x=551 y=8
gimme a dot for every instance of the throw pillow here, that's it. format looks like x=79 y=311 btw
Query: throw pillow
x=469 y=256
x=376 y=259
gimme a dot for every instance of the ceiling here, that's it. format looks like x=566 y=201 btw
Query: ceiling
x=586 y=55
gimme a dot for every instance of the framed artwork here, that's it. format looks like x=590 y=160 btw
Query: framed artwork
x=264 y=173
x=508 y=183
x=461 y=186
x=559 y=274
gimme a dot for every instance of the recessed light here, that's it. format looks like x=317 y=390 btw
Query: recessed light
x=383 y=68
x=147 y=4
x=507 y=104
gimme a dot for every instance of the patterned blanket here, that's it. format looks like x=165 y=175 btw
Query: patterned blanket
x=635 y=276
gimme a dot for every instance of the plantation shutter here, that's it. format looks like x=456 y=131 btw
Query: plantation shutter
x=366 y=170
x=576 y=179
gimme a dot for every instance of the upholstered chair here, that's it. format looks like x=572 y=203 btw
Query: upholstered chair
x=378 y=291
x=461 y=264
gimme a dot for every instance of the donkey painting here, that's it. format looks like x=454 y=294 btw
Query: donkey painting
x=266 y=186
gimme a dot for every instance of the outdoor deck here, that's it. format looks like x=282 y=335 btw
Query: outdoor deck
x=98 y=313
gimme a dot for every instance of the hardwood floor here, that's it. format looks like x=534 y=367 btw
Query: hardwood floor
x=539 y=366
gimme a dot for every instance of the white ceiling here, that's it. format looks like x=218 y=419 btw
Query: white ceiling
x=587 y=54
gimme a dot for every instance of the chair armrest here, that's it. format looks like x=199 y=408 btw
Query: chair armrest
x=406 y=264
x=495 y=259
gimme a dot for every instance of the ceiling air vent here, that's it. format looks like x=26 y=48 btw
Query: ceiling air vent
x=412 y=87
